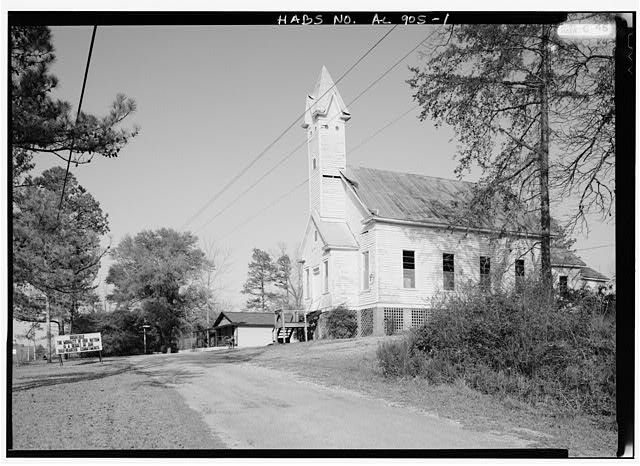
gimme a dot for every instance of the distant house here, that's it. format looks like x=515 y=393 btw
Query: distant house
x=570 y=272
x=246 y=328
x=593 y=279
x=384 y=243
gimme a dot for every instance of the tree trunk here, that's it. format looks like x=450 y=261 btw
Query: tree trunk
x=543 y=165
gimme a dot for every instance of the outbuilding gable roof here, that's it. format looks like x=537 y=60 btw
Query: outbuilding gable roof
x=587 y=273
x=418 y=198
x=260 y=319
x=562 y=257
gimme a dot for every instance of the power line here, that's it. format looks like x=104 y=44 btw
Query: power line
x=220 y=212
x=289 y=155
x=393 y=66
x=84 y=83
x=264 y=151
x=597 y=247
x=267 y=207
x=395 y=120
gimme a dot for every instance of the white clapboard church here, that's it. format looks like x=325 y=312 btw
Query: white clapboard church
x=384 y=243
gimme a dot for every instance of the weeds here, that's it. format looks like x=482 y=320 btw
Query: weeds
x=512 y=344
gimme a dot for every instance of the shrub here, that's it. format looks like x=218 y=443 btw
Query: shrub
x=394 y=358
x=508 y=343
x=121 y=334
x=40 y=352
x=398 y=358
x=341 y=323
x=312 y=324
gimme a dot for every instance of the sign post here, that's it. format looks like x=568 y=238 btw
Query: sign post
x=144 y=331
x=79 y=343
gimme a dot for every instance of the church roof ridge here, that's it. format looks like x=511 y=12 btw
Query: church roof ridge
x=398 y=172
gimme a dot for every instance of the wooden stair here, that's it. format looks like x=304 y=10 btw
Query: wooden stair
x=284 y=334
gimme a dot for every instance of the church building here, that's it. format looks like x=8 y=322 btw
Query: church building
x=383 y=243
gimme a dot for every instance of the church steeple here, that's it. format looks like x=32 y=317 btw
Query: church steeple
x=324 y=119
x=319 y=101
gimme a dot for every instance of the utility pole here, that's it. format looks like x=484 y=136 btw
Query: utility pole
x=543 y=163
x=48 y=327
x=208 y=336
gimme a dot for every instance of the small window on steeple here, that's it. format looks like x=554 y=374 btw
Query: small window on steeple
x=314 y=163
x=315 y=235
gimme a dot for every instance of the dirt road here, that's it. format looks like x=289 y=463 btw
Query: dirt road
x=256 y=407
x=90 y=406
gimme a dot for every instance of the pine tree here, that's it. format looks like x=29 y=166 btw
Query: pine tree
x=57 y=254
x=261 y=278
x=42 y=124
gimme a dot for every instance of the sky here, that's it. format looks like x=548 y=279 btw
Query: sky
x=211 y=98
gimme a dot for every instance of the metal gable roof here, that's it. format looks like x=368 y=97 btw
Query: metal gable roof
x=265 y=319
x=416 y=198
x=335 y=234
x=561 y=257
x=587 y=273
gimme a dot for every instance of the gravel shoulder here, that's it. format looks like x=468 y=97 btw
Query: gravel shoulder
x=87 y=405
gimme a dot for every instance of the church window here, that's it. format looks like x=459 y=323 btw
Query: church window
x=307 y=283
x=337 y=128
x=563 y=283
x=409 y=269
x=314 y=163
x=485 y=272
x=326 y=276
x=365 y=270
x=315 y=235
x=519 y=274
x=448 y=272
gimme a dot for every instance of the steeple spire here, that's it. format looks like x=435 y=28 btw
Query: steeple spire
x=325 y=120
x=319 y=101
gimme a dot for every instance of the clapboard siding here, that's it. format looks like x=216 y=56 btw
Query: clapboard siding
x=572 y=273
x=343 y=277
x=354 y=214
x=314 y=174
x=332 y=141
x=429 y=245
x=312 y=255
x=333 y=199
x=367 y=242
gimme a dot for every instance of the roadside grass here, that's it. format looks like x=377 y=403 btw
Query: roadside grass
x=352 y=364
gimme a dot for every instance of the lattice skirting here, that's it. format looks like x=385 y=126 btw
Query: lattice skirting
x=419 y=317
x=366 y=322
x=393 y=320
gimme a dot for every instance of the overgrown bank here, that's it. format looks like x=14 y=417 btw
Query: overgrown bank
x=559 y=355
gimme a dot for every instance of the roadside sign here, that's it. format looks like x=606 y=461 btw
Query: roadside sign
x=79 y=343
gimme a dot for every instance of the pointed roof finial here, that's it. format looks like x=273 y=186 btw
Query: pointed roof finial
x=320 y=99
